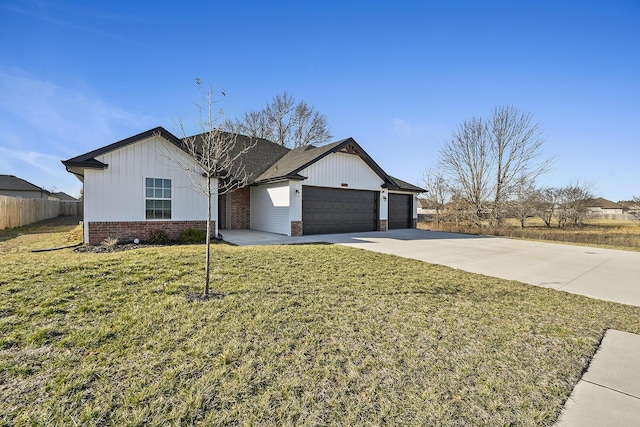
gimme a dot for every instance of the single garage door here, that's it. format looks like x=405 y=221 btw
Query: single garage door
x=400 y=209
x=335 y=210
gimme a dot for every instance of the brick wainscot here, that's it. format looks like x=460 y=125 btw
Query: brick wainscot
x=126 y=231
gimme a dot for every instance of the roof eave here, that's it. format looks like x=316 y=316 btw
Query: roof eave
x=289 y=177
x=95 y=164
x=90 y=156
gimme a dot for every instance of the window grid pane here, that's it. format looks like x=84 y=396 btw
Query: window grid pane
x=158 y=198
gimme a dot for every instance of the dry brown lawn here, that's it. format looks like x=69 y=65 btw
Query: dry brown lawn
x=613 y=234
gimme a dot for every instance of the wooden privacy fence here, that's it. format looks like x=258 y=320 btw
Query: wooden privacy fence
x=16 y=212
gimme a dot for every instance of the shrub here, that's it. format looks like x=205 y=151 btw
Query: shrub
x=110 y=242
x=193 y=236
x=158 y=237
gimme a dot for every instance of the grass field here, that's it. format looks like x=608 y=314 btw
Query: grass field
x=612 y=234
x=306 y=335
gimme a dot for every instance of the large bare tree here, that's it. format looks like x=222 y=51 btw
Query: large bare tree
x=515 y=148
x=285 y=121
x=488 y=158
x=467 y=159
x=215 y=159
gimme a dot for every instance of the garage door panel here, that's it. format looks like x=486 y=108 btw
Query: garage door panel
x=335 y=210
x=400 y=211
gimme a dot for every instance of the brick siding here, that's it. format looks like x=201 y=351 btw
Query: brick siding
x=296 y=228
x=382 y=225
x=129 y=230
x=240 y=210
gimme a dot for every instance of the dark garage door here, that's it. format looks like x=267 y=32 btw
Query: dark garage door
x=334 y=210
x=400 y=210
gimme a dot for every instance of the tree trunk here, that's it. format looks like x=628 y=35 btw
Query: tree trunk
x=207 y=268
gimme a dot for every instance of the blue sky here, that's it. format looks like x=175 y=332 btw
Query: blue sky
x=399 y=77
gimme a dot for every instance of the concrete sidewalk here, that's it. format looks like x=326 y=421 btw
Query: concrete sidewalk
x=609 y=392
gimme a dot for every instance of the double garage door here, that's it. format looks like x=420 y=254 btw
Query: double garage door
x=335 y=210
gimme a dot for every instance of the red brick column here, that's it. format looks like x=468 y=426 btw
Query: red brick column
x=241 y=209
x=296 y=228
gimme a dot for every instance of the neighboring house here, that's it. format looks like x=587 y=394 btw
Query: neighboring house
x=135 y=186
x=427 y=207
x=423 y=207
x=17 y=187
x=604 y=209
x=632 y=207
x=64 y=197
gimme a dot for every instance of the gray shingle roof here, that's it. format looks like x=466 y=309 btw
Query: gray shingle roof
x=265 y=161
x=295 y=160
x=10 y=182
x=603 y=203
x=404 y=185
x=61 y=195
x=258 y=158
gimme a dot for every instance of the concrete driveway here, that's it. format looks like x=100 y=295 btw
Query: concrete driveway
x=599 y=273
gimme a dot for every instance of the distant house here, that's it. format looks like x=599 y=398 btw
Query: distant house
x=13 y=186
x=130 y=190
x=631 y=206
x=427 y=207
x=422 y=206
x=64 y=197
x=605 y=209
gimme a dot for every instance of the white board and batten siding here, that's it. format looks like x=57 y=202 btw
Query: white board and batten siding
x=117 y=193
x=270 y=205
x=337 y=169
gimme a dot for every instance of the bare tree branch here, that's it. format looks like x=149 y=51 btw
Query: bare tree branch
x=467 y=157
x=566 y=204
x=215 y=155
x=285 y=122
x=524 y=202
x=489 y=159
x=438 y=191
x=515 y=145
x=547 y=204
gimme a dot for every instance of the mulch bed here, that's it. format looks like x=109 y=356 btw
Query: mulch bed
x=100 y=249
x=200 y=297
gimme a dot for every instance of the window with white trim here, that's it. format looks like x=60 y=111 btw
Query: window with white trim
x=157 y=194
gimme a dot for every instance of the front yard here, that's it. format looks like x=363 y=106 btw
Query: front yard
x=306 y=335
